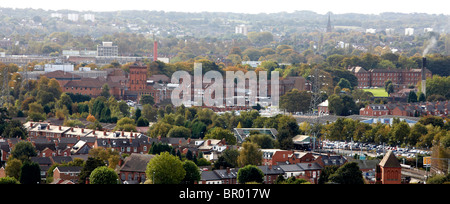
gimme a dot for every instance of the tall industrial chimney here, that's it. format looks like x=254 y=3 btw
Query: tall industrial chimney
x=424 y=76
x=155 y=50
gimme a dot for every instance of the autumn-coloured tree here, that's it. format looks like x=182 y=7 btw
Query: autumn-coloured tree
x=91 y=118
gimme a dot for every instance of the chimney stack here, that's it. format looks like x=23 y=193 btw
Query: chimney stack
x=424 y=76
x=155 y=50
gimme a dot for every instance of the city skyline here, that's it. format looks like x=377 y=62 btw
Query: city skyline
x=235 y=6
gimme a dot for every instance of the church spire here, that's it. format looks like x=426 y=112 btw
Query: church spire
x=329 y=28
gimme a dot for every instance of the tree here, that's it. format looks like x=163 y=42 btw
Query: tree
x=344 y=83
x=159 y=147
x=125 y=124
x=165 y=169
x=263 y=140
x=219 y=134
x=105 y=91
x=90 y=165
x=295 y=101
x=192 y=172
x=179 y=132
x=13 y=167
x=412 y=97
x=342 y=105
x=107 y=155
x=103 y=175
x=142 y=122
x=65 y=102
x=23 y=151
x=349 y=173
x=12 y=129
x=90 y=118
x=438 y=85
x=30 y=173
x=421 y=97
x=326 y=172
x=147 y=99
x=137 y=114
x=198 y=130
x=335 y=104
x=388 y=87
x=399 y=133
x=8 y=180
x=250 y=173
x=250 y=154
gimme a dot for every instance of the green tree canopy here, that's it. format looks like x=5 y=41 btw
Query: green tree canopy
x=103 y=175
x=165 y=169
x=192 y=172
x=348 y=173
x=220 y=133
x=250 y=173
x=250 y=154
x=23 y=151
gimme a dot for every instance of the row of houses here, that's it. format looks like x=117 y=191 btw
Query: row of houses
x=438 y=108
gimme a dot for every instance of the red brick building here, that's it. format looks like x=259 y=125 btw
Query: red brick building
x=93 y=87
x=133 y=169
x=390 y=171
x=137 y=77
x=375 y=110
x=438 y=108
x=67 y=173
x=400 y=77
x=273 y=157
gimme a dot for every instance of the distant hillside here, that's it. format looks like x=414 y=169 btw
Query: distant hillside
x=214 y=24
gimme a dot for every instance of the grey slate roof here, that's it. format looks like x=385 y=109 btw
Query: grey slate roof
x=136 y=162
x=209 y=176
x=274 y=170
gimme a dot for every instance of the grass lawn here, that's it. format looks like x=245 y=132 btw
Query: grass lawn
x=380 y=92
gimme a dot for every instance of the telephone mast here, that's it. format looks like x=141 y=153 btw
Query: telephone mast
x=316 y=83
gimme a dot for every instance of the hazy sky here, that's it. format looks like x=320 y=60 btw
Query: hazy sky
x=240 y=6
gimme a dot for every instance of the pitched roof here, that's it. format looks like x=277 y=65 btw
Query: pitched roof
x=389 y=160
x=62 y=75
x=209 y=176
x=69 y=169
x=136 y=162
x=86 y=82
